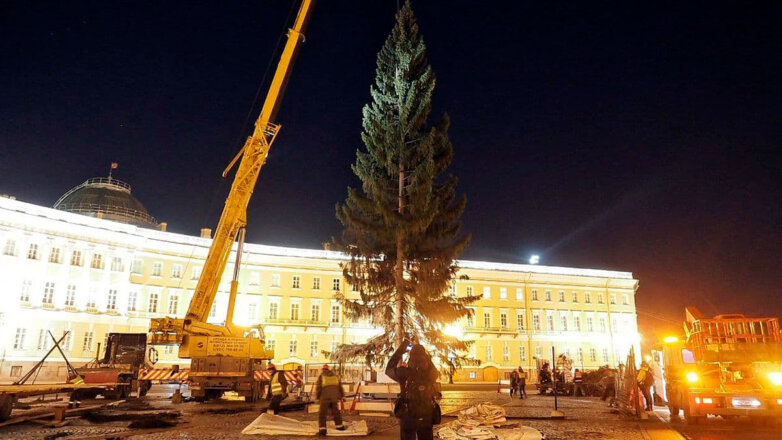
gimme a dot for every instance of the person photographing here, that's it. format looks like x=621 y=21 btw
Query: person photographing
x=416 y=407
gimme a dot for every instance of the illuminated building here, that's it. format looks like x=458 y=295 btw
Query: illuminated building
x=86 y=274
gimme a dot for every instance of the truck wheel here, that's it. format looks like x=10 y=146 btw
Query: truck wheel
x=144 y=387
x=6 y=404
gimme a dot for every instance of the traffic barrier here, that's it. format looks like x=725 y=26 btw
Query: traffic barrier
x=163 y=374
x=290 y=375
x=385 y=408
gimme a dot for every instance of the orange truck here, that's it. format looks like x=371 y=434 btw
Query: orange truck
x=727 y=366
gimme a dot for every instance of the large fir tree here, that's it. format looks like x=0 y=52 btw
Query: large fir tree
x=401 y=228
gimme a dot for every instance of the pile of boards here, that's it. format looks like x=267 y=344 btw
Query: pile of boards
x=269 y=424
x=486 y=421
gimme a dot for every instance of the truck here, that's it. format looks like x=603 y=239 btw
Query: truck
x=116 y=374
x=229 y=357
x=729 y=366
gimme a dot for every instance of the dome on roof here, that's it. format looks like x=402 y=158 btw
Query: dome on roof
x=107 y=198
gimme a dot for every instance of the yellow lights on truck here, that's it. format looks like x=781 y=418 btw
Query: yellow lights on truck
x=775 y=377
x=705 y=400
x=692 y=377
x=779 y=401
x=670 y=339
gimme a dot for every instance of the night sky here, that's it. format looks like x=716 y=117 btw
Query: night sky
x=644 y=140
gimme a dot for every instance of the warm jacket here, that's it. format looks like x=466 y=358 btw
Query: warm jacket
x=416 y=386
x=328 y=387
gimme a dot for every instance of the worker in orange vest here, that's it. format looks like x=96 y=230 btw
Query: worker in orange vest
x=578 y=383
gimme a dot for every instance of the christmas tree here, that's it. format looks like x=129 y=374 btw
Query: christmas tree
x=401 y=227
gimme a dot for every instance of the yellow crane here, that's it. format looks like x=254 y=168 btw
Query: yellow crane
x=225 y=358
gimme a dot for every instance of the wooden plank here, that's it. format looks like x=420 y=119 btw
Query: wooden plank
x=380 y=389
x=368 y=405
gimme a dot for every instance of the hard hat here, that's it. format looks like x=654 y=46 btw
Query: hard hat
x=325 y=366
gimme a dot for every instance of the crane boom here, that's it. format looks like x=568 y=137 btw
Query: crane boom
x=234 y=216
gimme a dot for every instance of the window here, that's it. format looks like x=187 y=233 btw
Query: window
x=335 y=313
x=504 y=320
x=19 y=339
x=603 y=327
x=575 y=297
x=625 y=299
x=275 y=280
x=590 y=324
x=534 y=295
x=153 y=299
x=295 y=311
x=505 y=352
x=271 y=345
x=489 y=354
x=274 y=310
x=536 y=321
x=523 y=353
x=116 y=265
x=614 y=324
x=520 y=320
x=132 y=298
x=605 y=355
x=70 y=295
x=473 y=374
x=470 y=291
x=537 y=351
x=296 y=282
x=87 y=345
x=563 y=322
x=10 y=247
x=580 y=353
x=136 y=267
x=316 y=283
x=486 y=319
x=157 y=269
x=577 y=323
x=176 y=271
x=111 y=301
x=314 y=349
x=592 y=355
x=32 y=252
x=54 y=256
x=252 y=312
x=487 y=292
x=255 y=278
x=519 y=294
x=561 y=296
x=503 y=293
x=335 y=284
x=293 y=347
x=24 y=295
x=196 y=274
x=43 y=340
x=91 y=298
x=600 y=298
x=548 y=295
x=67 y=343
x=213 y=310
x=588 y=298
x=315 y=312
x=550 y=320
x=173 y=303
x=97 y=261
x=612 y=298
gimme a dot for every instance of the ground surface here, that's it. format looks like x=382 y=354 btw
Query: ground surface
x=586 y=419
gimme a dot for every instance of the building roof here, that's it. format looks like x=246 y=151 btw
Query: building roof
x=106 y=198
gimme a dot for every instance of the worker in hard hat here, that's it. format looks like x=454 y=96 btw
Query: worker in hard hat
x=328 y=391
x=278 y=387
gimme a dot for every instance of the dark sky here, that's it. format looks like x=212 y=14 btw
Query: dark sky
x=637 y=138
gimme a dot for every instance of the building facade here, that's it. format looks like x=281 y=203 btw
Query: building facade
x=67 y=273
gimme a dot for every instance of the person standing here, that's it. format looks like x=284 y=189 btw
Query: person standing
x=578 y=383
x=416 y=407
x=522 y=383
x=277 y=389
x=514 y=382
x=645 y=381
x=329 y=392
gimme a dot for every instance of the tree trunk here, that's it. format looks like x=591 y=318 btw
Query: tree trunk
x=399 y=269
